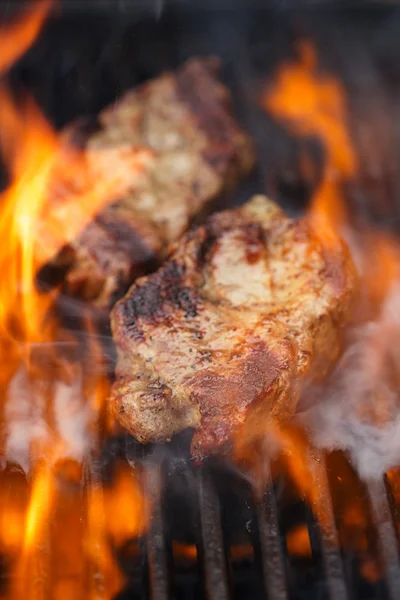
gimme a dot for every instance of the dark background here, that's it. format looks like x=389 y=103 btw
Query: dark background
x=91 y=51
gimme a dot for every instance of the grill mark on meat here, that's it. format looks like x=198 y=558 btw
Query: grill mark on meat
x=206 y=246
x=254 y=242
x=125 y=237
x=251 y=233
x=194 y=89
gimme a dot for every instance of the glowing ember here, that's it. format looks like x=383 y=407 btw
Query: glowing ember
x=185 y=552
x=298 y=541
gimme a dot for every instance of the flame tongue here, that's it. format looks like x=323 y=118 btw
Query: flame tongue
x=313 y=103
x=357 y=408
x=23 y=310
x=19 y=35
x=52 y=405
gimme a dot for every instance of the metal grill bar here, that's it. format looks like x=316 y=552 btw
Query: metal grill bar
x=268 y=541
x=271 y=551
x=156 y=544
x=215 y=570
x=387 y=540
x=325 y=528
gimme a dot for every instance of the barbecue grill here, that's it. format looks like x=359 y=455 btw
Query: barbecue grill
x=216 y=532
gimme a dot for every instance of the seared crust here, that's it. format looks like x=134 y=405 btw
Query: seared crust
x=220 y=338
x=194 y=152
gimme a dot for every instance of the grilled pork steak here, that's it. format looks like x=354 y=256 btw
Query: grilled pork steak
x=191 y=149
x=221 y=336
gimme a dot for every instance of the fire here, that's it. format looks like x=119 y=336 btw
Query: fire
x=22 y=203
x=13 y=505
x=31 y=564
x=17 y=38
x=311 y=102
x=39 y=506
x=357 y=407
x=298 y=541
x=184 y=552
x=60 y=528
x=37 y=219
x=125 y=497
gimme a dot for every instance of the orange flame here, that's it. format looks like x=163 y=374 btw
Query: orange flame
x=108 y=521
x=298 y=541
x=19 y=35
x=185 y=552
x=125 y=497
x=54 y=191
x=22 y=203
x=32 y=564
x=13 y=502
x=104 y=574
x=32 y=225
x=313 y=103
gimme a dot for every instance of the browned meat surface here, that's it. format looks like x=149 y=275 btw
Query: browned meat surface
x=191 y=150
x=220 y=338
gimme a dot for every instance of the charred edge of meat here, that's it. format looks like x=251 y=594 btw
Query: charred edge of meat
x=155 y=297
x=78 y=133
x=108 y=242
x=107 y=234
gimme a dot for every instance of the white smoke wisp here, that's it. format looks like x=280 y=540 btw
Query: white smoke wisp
x=359 y=410
x=32 y=429
x=25 y=420
x=73 y=417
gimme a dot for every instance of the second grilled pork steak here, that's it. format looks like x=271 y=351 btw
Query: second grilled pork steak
x=221 y=336
x=194 y=151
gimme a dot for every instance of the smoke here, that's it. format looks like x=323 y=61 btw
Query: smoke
x=357 y=410
x=24 y=418
x=41 y=415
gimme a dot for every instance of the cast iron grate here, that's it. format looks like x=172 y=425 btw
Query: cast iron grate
x=214 y=510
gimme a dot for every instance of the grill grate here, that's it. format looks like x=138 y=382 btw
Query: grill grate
x=215 y=569
x=214 y=576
